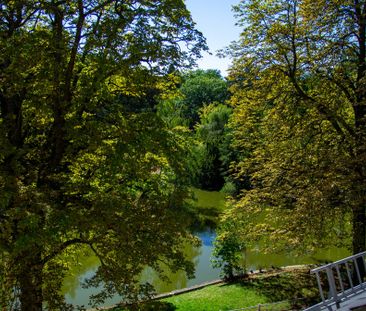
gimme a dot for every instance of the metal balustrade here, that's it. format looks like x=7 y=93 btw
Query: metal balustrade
x=345 y=279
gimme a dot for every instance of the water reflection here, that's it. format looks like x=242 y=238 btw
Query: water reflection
x=257 y=260
x=201 y=257
x=88 y=264
x=84 y=268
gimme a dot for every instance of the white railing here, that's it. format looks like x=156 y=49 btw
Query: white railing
x=345 y=280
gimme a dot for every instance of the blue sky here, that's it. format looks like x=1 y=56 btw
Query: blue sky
x=215 y=19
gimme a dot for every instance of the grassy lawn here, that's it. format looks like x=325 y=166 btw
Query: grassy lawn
x=297 y=288
x=218 y=297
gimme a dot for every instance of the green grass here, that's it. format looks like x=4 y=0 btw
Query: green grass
x=217 y=297
x=297 y=288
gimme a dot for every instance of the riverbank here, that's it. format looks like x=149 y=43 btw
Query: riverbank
x=288 y=288
x=205 y=210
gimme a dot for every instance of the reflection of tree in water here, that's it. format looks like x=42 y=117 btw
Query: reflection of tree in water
x=82 y=264
x=256 y=259
x=178 y=279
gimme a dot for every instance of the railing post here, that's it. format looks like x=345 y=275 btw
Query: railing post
x=356 y=262
x=340 y=278
x=332 y=285
x=349 y=274
x=346 y=285
x=320 y=286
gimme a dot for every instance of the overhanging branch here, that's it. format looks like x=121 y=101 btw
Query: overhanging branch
x=64 y=246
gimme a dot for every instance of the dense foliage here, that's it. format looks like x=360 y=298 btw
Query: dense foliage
x=100 y=137
x=200 y=88
x=299 y=123
x=84 y=160
x=214 y=136
x=200 y=106
x=197 y=88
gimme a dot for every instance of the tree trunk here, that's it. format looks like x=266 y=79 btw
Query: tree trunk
x=359 y=227
x=359 y=207
x=359 y=218
x=30 y=281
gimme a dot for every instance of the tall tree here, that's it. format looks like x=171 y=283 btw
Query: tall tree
x=300 y=122
x=213 y=133
x=76 y=169
x=197 y=89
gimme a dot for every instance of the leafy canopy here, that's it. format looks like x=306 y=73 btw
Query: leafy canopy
x=196 y=89
x=84 y=160
x=299 y=124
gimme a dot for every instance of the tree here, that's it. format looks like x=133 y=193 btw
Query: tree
x=199 y=105
x=300 y=123
x=212 y=132
x=197 y=89
x=76 y=168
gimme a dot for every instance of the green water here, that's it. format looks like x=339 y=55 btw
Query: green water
x=209 y=199
x=212 y=203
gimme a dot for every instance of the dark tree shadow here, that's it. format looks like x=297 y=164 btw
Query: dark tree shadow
x=151 y=306
x=299 y=288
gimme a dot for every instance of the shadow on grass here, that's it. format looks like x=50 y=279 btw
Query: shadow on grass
x=151 y=306
x=298 y=288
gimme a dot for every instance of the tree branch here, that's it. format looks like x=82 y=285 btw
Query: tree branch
x=74 y=50
x=62 y=247
x=98 y=7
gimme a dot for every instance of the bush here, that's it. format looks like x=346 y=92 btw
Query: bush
x=229 y=188
x=229 y=252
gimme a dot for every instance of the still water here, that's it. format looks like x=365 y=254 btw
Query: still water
x=201 y=256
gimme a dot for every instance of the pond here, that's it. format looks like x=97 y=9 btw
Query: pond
x=201 y=257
